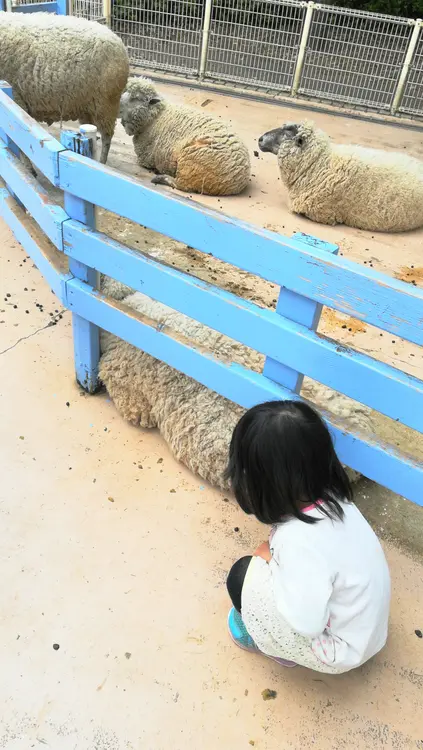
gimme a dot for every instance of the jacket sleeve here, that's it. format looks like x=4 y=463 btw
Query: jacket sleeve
x=302 y=586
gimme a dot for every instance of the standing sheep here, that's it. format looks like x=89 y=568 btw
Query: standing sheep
x=188 y=149
x=64 y=68
x=197 y=423
x=335 y=184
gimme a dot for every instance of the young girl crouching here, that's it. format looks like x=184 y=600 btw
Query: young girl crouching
x=318 y=592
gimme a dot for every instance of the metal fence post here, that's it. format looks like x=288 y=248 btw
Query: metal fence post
x=205 y=39
x=107 y=12
x=302 y=310
x=8 y=4
x=303 y=47
x=86 y=336
x=396 y=102
x=2 y=5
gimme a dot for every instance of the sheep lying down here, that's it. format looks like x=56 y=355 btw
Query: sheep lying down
x=196 y=422
x=188 y=149
x=333 y=184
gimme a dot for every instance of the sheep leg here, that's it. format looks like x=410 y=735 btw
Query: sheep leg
x=164 y=179
x=105 y=147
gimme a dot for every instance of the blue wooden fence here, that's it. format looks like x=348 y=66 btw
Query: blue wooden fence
x=50 y=6
x=308 y=271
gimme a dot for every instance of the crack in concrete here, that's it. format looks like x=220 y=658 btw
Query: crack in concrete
x=51 y=322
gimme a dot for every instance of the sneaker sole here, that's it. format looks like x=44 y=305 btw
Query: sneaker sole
x=280 y=662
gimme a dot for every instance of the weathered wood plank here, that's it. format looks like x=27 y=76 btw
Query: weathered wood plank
x=346 y=286
x=32 y=195
x=376 y=461
x=359 y=376
x=31 y=138
x=300 y=309
x=47 y=259
x=47 y=7
x=86 y=336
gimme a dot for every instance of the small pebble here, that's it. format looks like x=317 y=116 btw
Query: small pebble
x=173 y=490
x=128 y=655
x=419 y=633
x=67 y=403
x=111 y=499
x=56 y=646
x=236 y=528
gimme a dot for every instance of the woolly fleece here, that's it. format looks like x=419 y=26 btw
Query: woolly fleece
x=189 y=150
x=64 y=68
x=196 y=422
x=343 y=184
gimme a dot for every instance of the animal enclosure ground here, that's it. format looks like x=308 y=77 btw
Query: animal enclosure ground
x=118 y=555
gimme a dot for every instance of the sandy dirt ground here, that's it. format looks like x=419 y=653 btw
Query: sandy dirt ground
x=113 y=604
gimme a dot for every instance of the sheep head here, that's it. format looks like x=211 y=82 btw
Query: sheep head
x=139 y=105
x=297 y=146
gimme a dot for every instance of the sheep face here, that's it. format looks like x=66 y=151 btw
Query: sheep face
x=139 y=105
x=297 y=146
x=273 y=139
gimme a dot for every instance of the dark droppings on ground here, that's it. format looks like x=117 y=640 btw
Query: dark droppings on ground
x=268 y=695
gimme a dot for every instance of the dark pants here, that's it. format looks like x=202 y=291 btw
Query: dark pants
x=235 y=580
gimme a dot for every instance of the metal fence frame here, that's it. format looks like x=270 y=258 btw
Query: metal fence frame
x=353 y=58
x=307 y=271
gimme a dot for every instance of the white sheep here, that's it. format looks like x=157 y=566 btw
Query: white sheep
x=196 y=422
x=337 y=184
x=64 y=68
x=189 y=150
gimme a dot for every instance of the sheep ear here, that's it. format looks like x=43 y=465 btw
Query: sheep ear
x=154 y=100
x=300 y=140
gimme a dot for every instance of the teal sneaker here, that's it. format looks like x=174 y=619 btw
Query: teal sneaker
x=239 y=633
x=242 y=639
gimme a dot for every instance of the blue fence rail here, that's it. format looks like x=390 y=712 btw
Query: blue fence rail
x=60 y=7
x=307 y=270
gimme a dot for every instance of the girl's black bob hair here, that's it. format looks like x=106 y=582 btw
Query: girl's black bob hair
x=282 y=459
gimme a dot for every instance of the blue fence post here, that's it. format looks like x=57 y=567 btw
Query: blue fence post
x=301 y=310
x=2 y=4
x=61 y=7
x=86 y=336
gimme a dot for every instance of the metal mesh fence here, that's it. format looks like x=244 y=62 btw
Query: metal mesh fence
x=354 y=57
x=255 y=42
x=161 y=34
x=93 y=10
x=412 y=101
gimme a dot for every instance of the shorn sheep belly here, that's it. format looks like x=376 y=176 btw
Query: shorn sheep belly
x=64 y=68
x=196 y=422
x=188 y=149
x=343 y=184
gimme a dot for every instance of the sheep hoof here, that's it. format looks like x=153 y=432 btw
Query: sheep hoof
x=163 y=179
